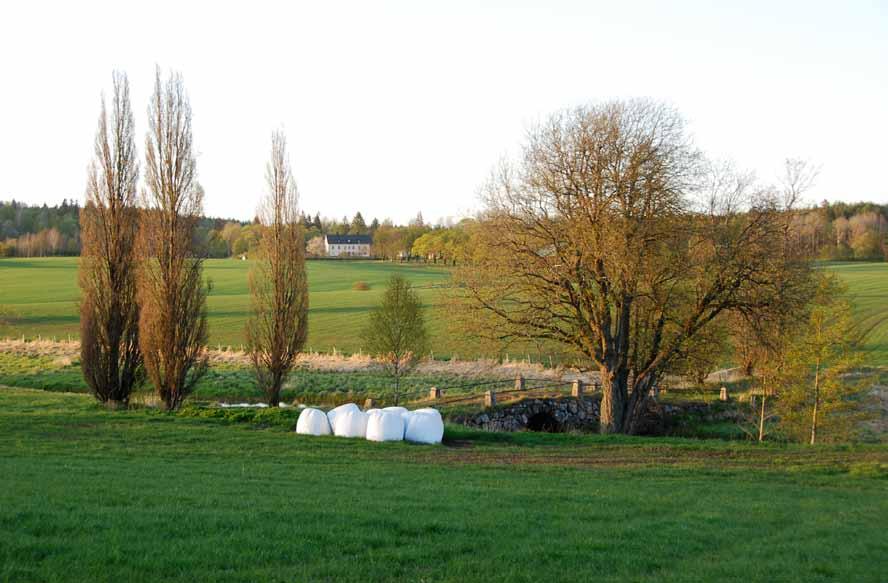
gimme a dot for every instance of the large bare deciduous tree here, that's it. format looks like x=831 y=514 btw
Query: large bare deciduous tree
x=604 y=238
x=171 y=287
x=109 y=314
x=278 y=328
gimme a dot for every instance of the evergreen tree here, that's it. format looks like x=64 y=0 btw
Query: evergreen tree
x=358 y=226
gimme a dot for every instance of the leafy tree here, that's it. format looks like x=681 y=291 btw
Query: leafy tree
x=704 y=352
x=358 y=226
x=817 y=397
x=315 y=246
x=396 y=332
x=598 y=239
x=230 y=233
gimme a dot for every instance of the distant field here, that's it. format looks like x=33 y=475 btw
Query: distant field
x=38 y=297
x=868 y=286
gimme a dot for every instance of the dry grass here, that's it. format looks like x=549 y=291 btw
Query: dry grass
x=68 y=351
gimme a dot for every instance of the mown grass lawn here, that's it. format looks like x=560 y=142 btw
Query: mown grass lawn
x=91 y=495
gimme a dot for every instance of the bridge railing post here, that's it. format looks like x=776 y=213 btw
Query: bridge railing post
x=576 y=389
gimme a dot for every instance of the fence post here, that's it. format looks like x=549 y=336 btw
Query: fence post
x=490 y=399
x=519 y=383
x=434 y=393
x=577 y=389
x=723 y=394
x=369 y=404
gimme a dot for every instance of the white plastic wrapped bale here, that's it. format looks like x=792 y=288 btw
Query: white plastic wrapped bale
x=332 y=414
x=313 y=422
x=402 y=412
x=399 y=410
x=385 y=426
x=351 y=424
x=424 y=426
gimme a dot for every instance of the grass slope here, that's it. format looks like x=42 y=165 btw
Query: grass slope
x=38 y=297
x=87 y=494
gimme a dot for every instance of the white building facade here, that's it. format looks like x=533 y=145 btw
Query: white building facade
x=347 y=245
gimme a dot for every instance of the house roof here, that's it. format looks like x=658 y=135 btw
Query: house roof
x=349 y=240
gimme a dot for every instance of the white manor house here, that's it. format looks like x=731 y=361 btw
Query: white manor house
x=347 y=245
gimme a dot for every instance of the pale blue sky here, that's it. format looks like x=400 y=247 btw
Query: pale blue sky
x=395 y=107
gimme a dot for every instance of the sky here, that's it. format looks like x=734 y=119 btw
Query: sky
x=394 y=108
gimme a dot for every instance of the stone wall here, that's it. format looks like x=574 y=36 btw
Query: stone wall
x=581 y=414
x=555 y=415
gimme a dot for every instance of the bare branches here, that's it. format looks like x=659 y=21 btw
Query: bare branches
x=798 y=177
x=172 y=292
x=278 y=328
x=595 y=241
x=109 y=314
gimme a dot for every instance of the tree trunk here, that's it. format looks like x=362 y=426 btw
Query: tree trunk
x=816 y=403
x=761 y=435
x=636 y=410
x=613 y=401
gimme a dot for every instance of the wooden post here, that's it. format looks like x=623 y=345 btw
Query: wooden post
x=519 y=383
x=490 y=399
x=723 y=394
x=752 y=402
x=369 y=404
x=434 y=393
x=577 y=389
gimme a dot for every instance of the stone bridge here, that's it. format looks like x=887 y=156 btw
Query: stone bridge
x=541 y=414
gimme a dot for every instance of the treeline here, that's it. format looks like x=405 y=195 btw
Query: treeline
x=843 y=231
x=836 y=231
x=41 y=231
x=37 y=231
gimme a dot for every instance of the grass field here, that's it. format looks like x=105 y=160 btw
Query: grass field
x=91 y=495
x=868 y=287
x=38 y=297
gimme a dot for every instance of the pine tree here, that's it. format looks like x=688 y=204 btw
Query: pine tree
x=358 y=226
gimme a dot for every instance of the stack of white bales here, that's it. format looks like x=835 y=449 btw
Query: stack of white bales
x=389 y=424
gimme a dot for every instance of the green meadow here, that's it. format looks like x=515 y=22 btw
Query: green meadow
x=38 y=297
x=92 y=495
